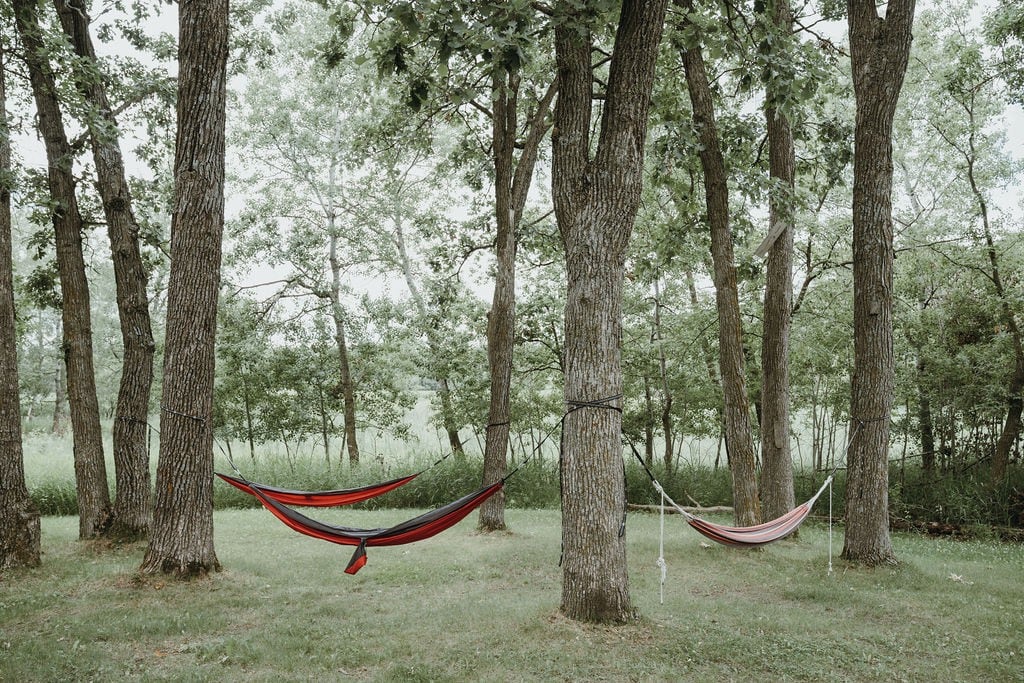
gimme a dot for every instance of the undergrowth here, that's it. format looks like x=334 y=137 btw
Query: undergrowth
x=946 y=498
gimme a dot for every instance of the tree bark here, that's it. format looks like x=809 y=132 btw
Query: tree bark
x=738 y=433
x=879 y=50
x=58 y=426
x=666 y=390
x=181 y=542
x=1015 y=400
x=19 y=518
x=90 y=467
x=776 y=486
x=595 y=202
x=348 y=393
x=511 y=186
x=131 y=457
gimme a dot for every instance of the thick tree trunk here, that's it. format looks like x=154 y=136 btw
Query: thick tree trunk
x=879 y=50
x=776 y=486
x=19 y=518
x=131 y=457
x=595 y=202
x=181 y=542
x=90 y=467
x=738 y=433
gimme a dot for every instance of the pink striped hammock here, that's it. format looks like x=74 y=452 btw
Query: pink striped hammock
x=751 y=536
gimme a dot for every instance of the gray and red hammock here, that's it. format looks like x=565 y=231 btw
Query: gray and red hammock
x=416 y=529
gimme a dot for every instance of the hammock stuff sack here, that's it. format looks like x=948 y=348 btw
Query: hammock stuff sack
x=416 y=529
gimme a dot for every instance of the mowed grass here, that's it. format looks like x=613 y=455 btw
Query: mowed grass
x=465 y=606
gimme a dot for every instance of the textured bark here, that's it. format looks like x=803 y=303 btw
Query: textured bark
x=131 y=457
x=348 y=392
x=776 y=485
x=1015 y=401
x=60 y=395
x=879 y=49
x=666 y=390
x=924 y=420
x=738 y=433
x=595 y=202
x=511 y=186
x=181 y=542
x=19 y=518
x=90 y=467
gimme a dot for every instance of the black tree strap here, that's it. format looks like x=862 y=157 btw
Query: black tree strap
x=606 y=402
x=164 y=408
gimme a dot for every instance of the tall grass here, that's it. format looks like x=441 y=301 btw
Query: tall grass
x=960 y=498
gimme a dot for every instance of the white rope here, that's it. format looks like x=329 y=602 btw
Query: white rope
x=661 y=549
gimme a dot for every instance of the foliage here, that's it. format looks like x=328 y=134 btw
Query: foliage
x=335 y=87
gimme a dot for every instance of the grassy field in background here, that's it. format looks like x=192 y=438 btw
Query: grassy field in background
x=465 y=606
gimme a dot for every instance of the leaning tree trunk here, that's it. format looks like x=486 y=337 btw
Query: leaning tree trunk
x=501 y=318
x=181 y=542
x=738 y=433
x=776 y=486
x=90 y=467
x=595 y=200
x=511 y=186
x=131 y=457
x=19 y=518
x=1015 y=400
x=879 y=50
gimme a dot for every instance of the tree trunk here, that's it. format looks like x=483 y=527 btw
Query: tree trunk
x=348 y=392
x=511 y=186
x=879 y=50
x=738 y=434
x=19 y=518
x=181 y=542
x=131 y=457
x=595 y=202
x=444 y=391
x=501 y=318
x=60 y=394
x=1015 y=401
x=924 y=420
x=448 y=418
x=90 y=467
x=776 y=486
x=648 y=424
x=666 y=390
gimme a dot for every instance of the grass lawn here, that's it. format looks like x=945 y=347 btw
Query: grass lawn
x=465 y=606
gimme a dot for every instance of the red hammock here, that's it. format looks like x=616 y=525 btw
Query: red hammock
x=320 y=498
x=416 y=529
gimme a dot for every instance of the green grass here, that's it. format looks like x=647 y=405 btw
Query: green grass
x=464 y=606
